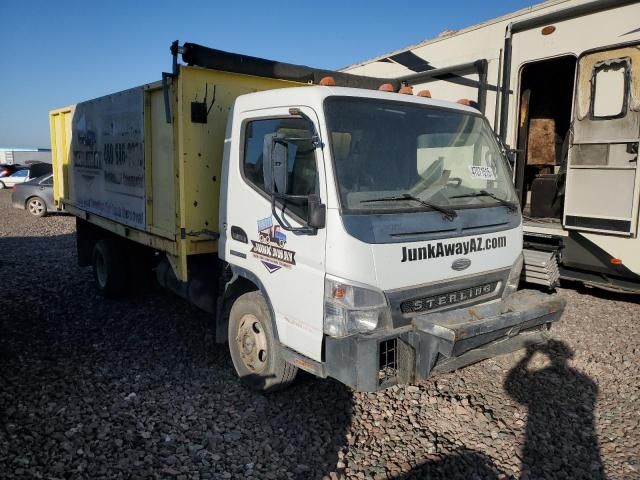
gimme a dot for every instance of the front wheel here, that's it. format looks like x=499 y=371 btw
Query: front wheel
x=36 y=207
x=254 y=349
x=2 y=186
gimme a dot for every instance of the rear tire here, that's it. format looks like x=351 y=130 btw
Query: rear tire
x=36 y=207
x=254 y=349
x=2 y=186
x=110 y=268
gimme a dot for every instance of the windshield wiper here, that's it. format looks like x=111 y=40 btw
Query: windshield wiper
x=449 y=213
x=483 y=193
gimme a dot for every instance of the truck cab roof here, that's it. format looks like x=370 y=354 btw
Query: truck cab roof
x=316 y=94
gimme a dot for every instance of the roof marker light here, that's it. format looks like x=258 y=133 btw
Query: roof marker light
x=406 y=90
x=386 y=87
x=548 y=30
x=328 y=82
x=424 y=93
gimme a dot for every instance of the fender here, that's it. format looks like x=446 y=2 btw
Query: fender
x=239 y=272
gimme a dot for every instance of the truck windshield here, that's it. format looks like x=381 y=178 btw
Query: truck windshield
x=386 y=149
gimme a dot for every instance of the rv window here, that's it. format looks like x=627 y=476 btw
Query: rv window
x=609 y=89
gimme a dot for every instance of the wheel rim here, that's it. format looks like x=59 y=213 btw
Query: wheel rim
x=101 y=270
x=252 y=343
x=36 y=207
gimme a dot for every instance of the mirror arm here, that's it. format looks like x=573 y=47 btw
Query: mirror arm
x=315 y=140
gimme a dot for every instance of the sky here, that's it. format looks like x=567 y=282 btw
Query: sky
x=57 y=53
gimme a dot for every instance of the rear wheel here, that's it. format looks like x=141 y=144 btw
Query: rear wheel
x=254 y=349
x=110 y=268
x=2 y=186
x=36 y=207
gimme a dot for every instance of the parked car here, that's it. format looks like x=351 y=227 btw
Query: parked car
x=19 y=176
x=35 y=196
x=7 y=169
x=24 y=174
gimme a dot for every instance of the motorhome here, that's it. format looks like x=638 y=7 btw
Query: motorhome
x=560 y=83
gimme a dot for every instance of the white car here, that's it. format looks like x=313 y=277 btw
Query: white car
x=19 y=176
x=25 y=174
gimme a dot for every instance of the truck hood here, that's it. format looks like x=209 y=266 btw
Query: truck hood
x=401 y=265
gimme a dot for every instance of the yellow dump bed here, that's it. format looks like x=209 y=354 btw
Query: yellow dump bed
x=119 y=164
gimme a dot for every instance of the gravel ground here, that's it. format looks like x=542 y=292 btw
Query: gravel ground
x=91 y=388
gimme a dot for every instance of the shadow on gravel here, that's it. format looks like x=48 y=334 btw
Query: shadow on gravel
x=560 y=436
x=560 y=439
x=137 y=389
x=464 y=464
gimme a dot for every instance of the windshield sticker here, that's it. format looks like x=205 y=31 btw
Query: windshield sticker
x=269 y=250
x=483 y=173
x=441 y=249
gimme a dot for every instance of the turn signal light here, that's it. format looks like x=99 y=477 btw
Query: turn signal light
x=616 y=261
x=339 y=292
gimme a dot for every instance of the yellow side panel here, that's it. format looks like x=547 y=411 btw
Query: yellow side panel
x=200 y=146
x=161 y=197
x=60 y=130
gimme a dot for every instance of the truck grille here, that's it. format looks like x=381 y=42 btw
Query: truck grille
x=388 y=361
x=407 y=303
x=426 y=304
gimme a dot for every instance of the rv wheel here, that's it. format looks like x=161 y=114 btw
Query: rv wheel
x=254 y=349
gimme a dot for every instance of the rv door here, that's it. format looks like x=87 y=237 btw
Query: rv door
x=602 y=176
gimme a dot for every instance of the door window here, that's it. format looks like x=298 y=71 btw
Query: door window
x=609 y=89
x=302 y=168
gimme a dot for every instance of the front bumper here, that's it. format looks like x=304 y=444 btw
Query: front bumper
x=441 y=342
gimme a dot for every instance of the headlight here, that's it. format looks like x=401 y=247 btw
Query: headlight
x=351 y=309
x=514 y=277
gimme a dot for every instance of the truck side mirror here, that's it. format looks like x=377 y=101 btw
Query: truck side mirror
x=317 y=212
x=275 y=152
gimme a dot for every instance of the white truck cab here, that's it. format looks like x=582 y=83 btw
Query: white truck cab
x=401 y=243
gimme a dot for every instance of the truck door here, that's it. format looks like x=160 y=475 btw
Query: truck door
x=290 y=266
x=602 y=175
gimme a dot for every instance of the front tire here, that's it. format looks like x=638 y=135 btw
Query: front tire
x=109 y=268
x=2 y=186
x=254 y=349
x=36 y=207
